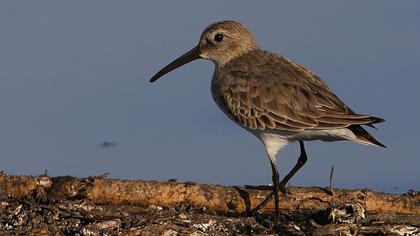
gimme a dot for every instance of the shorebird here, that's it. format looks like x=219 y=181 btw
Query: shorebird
x=274 y=98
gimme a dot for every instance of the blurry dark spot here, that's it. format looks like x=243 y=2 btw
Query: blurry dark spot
x=107 y=144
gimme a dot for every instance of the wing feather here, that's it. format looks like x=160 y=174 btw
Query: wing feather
x=262 y=90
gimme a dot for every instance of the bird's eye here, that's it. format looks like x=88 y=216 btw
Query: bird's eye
x=218 y=38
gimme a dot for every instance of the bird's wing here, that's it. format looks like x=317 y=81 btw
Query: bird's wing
x=273 y=92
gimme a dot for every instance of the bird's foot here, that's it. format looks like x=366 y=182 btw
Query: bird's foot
x=282 y=189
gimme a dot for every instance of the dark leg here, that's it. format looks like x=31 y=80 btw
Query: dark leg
x=301 y=161
x=275 y=178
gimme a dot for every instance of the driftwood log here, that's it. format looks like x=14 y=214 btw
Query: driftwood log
x=99 y=190
x=393 y=209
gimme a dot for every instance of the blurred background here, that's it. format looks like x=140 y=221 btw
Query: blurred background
x=75 y=97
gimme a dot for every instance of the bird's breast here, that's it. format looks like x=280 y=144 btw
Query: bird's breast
x=218 y=97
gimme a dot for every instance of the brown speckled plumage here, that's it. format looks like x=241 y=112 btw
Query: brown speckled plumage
x=265 y=91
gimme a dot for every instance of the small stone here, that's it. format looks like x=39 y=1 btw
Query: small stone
x=108 y=224
x=182 y=216
x=170 y=232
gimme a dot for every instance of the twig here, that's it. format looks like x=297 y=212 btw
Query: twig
x=331 y=177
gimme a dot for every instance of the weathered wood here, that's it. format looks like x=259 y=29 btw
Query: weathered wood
x=44 y=205
x=214 y=197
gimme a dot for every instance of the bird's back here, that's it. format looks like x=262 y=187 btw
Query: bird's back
x=263 y=91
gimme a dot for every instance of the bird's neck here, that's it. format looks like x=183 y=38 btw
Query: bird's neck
x=222 y=64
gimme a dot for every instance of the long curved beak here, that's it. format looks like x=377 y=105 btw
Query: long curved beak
x=189 y=56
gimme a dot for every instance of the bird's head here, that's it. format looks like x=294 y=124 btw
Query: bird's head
x=220 y=42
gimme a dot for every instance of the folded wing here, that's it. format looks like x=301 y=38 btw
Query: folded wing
x=276 y=93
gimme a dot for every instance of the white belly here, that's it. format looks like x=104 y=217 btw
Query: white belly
x=275 y=140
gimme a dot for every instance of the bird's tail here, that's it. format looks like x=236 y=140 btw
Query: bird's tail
x=363 y=136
